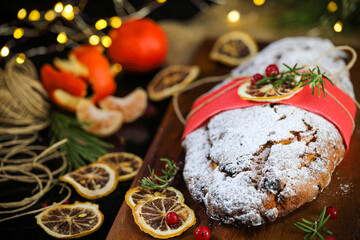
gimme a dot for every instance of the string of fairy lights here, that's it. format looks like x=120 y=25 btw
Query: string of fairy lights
x=234 y=15
x=65 y=19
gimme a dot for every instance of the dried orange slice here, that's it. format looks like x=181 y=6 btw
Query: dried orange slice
x=171 y=80
x=265 y=93
x=126 y=164
x=93 y=181
x=150 y=216
x=100 y=122
x=70 y=220
x=234 y=48
x=140 y=195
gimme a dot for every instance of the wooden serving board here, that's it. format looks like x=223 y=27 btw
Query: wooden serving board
x=343 y=191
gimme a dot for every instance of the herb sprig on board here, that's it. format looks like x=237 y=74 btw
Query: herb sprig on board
x=312 y=228
x=293 y=76
x=82 y=147
x=164 y=181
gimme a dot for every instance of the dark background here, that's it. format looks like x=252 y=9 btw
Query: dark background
x=135 y=137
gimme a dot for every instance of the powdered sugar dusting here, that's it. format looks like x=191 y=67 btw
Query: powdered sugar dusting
x=255 y=164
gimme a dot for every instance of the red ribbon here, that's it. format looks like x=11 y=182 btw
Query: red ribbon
x=327 y=107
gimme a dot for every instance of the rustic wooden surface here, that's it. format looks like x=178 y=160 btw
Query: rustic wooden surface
x=343 y=191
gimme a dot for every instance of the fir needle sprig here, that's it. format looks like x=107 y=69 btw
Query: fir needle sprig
x=294 y=76
x=82 y=147
x=164 y=181
x=312 y=228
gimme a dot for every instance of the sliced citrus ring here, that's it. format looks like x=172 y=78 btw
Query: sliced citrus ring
x=70 y=220
x=100 y=122
x=150 y=216
x=131 y=106
x=171 y=80
x=126 y=164
x=234 y=48
x=140 y=195
x=265 y=93
x=93 y=181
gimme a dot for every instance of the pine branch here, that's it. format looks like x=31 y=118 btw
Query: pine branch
x=82 y=147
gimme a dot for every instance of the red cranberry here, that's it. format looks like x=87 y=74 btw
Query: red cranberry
x=44 y=205
x=255 y=78
x=172 y=218
x=202 y=233
x=151 y=178
x=330 y=238
x=272 y=70
x=66 y=202
x=332 y=211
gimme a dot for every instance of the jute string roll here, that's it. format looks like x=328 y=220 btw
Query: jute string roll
x=24 y=110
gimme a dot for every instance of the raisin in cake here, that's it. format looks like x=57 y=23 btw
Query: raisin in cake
x=250 y=166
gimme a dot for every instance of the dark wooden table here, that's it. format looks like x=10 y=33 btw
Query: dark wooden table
x=343 y=191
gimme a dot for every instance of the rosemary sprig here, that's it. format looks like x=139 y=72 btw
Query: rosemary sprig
x=82 y=147
x=164 y=181
x=314 y=78
x=312 y=228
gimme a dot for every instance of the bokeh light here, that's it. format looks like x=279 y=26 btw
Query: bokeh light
x=34 y=15
x=62 y=38
x=20 y=59
x=94 y=39
x=115 y=22
x=21 y=14
x=100 y=24
x=338 y=26
x=18 y=33
x=106 y=41
x=233 y=16
x=4 y=51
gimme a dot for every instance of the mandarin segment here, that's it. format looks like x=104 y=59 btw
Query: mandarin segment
x=126 y=164
x=150 y=216
x=93 y=181
x=70 y=220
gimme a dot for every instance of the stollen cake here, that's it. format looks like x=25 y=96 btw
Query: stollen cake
x=252 y=165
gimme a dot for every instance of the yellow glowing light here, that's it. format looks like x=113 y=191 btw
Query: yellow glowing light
x=106 y=41
x=20 y=59
x=59 y=7
x=116 y=68
x=21 y=14
x=4 y=51
x=50 y=15
x=115 y=22
x=62 y=38
x=34 y=15
x=68 y=8
x=100 y=24
x=338 y=26
x=18 y=33
x=233 y=16
x=161 y=1
x=259 y=2
x=94 y=39
x=332 y=7
x=68 y=16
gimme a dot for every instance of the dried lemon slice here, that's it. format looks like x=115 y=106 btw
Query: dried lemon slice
x=139 y=195
x=150 y=216
x=234 y=48
x=171 y=80
x=93 y=181
x=70 y=220
x=126 y=164
x=265 y=93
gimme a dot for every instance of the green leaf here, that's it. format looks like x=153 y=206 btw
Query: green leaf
x=304 y=229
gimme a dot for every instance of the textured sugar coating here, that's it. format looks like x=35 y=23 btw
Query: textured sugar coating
x=252 y=165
